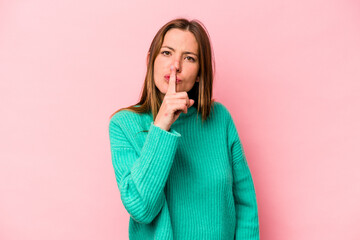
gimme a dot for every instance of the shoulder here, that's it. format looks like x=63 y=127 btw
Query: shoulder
x=129 y=119
x=222 y=115
x=123 y=115
x=220 y=110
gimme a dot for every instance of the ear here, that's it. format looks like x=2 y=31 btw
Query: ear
x=197 y=79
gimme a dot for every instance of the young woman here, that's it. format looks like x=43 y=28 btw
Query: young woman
x=179 y=177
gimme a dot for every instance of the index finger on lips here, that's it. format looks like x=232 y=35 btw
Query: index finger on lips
x=172 y=80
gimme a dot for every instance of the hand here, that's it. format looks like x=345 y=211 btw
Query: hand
x=173 y=104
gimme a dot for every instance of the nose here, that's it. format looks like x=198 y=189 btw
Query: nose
x=177 y=65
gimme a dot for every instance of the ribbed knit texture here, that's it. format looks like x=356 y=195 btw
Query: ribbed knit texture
x=191 y=182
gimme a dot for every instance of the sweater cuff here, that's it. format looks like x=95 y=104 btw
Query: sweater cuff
x=157 y=129
x=161 y=143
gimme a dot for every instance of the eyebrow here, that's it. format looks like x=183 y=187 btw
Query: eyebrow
x=187 y=52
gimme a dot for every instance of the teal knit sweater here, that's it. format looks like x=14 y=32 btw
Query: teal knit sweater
x=191 y=182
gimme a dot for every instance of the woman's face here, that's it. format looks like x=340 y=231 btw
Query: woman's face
x=179 y=49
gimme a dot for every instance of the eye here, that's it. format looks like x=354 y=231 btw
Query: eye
x=165 y=53
x=191 y=59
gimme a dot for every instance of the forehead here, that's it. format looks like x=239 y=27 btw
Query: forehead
x=181 y=40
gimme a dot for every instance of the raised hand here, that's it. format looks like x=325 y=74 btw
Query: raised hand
x=173 y=104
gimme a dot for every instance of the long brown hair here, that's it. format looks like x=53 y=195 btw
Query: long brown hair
x=201 y=91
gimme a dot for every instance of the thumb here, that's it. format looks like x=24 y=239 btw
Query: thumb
x=191 y=102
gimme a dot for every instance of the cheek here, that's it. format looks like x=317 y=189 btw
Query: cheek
x=193 y=71
x=156 y=65
x=159 y=66
x=160 y=63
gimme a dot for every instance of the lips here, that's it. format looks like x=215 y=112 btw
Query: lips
x=167 y=78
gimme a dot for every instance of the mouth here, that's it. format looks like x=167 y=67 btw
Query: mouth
x=167 y=78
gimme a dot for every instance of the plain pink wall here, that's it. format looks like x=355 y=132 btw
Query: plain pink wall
x=288 y=71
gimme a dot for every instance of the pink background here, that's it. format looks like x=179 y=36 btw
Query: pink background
x=288 y=71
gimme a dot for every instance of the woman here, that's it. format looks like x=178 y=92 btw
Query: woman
x=178 y=177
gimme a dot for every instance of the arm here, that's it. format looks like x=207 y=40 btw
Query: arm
x=247 y=223
x=142 y=178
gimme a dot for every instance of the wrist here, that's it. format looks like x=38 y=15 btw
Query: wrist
x=162 y=127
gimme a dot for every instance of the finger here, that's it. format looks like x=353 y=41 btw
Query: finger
x=172 y=80
x=185 y=96
x=192 y=101
x=187 y=102
x=181 y=107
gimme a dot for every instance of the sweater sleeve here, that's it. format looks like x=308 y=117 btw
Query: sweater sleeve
x=141 y=178
x=247 y=223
